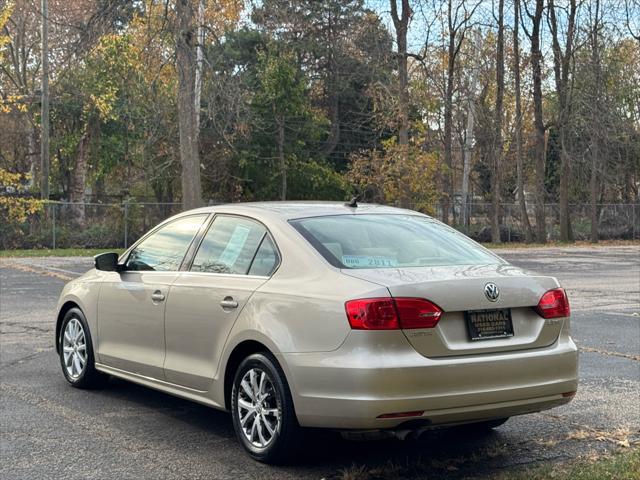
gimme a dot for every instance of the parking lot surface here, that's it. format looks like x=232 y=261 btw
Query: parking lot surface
x=50 y=430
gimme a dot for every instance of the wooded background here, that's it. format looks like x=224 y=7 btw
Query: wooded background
x=434 y=105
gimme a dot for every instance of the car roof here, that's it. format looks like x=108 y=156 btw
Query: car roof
x=288 y=210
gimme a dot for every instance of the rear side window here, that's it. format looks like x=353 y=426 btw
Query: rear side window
x=165 y=249
x=229 y=246
x=390 y=241
x=266 y=259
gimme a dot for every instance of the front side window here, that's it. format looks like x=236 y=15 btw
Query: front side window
x=165 y=249
x=229 y=246
x=390 y=241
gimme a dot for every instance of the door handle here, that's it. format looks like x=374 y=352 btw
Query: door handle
x=157 y=296
x=228 y=302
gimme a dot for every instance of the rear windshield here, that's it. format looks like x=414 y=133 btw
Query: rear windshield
x=390 y=241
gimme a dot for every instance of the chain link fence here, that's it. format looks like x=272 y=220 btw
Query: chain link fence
x=615 y=221
x=85 y=225
x=118 y=225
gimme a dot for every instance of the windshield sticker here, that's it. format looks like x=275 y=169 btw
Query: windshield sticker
x=360 y=261
x=234 y=246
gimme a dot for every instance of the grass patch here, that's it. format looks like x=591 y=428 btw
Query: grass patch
x=58 y=252
x=618 y=466
x=622 y=465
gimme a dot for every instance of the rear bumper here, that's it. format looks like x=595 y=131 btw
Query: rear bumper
x=376 y=373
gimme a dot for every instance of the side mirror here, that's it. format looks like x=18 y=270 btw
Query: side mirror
x=107 y=262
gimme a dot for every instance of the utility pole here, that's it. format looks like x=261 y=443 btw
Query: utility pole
x=44 y=104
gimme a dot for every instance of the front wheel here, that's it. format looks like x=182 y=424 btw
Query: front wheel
x=262 y=410
x=76 y=352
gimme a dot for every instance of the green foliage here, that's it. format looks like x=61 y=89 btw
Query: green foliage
x=281 y=102
x=397 y=174
x=130 y=121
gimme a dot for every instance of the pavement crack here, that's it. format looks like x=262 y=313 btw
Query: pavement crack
x=25 y=326
x=17 y=361
x=39 y=271
x=611 y=354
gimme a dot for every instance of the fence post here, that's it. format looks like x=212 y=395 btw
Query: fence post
x=53 y=217
x=633 y=221
x=126 y=218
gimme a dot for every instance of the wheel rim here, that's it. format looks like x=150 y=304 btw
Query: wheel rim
x=258 y=411
x=74 y=348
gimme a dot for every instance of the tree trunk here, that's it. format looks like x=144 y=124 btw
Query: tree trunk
x=593 y=188
x=497 y=125
x=539 y=150
x=466 y=165
x=44 y=113
x=448 y=128
x=596 y=110
x=528 y=233
x=561 y=66
x=199 y=64
x=333 y=93
x=79 y=177
x=186 y=66
x=33 y=159
x=282 y=159
x=401 y=24
x=468 y=140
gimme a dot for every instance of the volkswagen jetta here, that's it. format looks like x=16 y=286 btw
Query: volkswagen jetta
x=291 y=315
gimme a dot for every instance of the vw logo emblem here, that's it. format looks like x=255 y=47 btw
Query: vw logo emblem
x=491 y=292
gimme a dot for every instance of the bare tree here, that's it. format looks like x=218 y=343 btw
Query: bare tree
x=528 y=233
x=458 y=23
x=497 y=125
x=44 y=115
x=468 y=136
x=539 y=129
x=596 y=110
x=632 y=18
x=401 y=25
x=186 y=38
x=562 y=68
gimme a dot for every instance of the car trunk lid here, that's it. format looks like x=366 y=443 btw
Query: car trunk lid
x=460 y=289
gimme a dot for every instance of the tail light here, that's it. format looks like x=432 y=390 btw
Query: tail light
x=554 y=304
x=388 y=313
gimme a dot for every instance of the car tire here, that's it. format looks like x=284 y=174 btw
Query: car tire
x=76 y=352
x=262 y=409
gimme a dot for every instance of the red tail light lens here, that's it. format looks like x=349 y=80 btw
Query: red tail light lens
x=554 y=304
x=392 y=313
x=372 y=314
x=417 y=313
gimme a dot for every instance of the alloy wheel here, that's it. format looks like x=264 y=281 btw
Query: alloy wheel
x=258 y=411
x=74 y=348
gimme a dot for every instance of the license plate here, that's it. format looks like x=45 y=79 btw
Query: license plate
x=486 y=324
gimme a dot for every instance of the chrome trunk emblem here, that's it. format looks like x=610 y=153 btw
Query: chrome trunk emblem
x=492 y=292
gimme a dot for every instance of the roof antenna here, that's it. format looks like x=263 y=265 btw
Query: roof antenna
x=354 y=202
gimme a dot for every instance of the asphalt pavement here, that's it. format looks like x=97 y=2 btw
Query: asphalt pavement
x=50 y=430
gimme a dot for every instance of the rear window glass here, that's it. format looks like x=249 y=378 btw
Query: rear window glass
x=390 y=241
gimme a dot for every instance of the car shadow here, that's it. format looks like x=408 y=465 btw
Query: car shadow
x=447 y=453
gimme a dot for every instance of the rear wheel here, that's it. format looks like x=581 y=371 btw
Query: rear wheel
x=262 y=410
x=76 y=352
